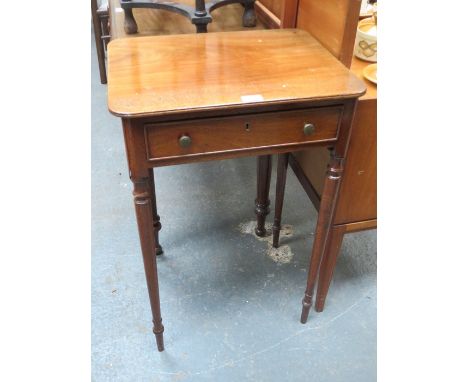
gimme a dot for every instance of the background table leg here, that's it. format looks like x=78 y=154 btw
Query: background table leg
x=282 y=169
x=327 y=207
x=144 y=215
x=156 y=218
x=262 y=202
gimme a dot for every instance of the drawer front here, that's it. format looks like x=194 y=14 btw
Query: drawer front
x=241 y=133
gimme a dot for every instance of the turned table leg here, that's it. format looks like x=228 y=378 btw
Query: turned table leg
x=262 y=202
x=327 y=207
x=282 y=169
x=327 y=266
x=156 y=218
x=144 y=215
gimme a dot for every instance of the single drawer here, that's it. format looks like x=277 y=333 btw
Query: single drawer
x=242 y=133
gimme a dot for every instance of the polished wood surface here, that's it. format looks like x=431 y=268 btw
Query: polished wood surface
x=289 y=13
x=333 y=23
x=178 y=108
x=176 y=74
x=241 y=133
x=153 y=22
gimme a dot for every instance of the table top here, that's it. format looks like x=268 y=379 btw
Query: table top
x=156 y=75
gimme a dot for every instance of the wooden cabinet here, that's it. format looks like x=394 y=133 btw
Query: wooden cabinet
x=334 y=24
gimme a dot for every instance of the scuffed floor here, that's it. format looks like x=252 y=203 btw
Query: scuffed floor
x=283 y=253
x=230 y=306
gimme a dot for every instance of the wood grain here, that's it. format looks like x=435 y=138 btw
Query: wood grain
x=333 y=23
x=242 y=132
x=176 y=74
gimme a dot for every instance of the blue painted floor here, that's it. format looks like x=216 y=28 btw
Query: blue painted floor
x=231 y=313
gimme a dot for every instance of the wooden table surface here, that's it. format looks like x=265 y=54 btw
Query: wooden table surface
x=174 y=74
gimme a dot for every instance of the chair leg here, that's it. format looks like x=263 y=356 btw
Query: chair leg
x=99 y=43
x=327 y=266
x=281 y=172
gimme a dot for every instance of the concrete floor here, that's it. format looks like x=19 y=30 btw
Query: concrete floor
x=230 y=312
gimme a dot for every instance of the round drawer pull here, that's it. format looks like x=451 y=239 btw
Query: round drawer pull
x=309 y=129
x=185 y=141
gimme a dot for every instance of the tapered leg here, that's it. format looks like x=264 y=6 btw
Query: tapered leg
x=156 y=218
x=130 y=25
x=328 y=264
x=327 y=207
x=249 y=19
x=262 y=202
x=281 y=172
x=144 y=215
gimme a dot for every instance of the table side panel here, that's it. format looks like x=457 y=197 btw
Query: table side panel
x=358 y=196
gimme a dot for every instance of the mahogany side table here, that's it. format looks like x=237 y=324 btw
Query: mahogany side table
x=199 y=97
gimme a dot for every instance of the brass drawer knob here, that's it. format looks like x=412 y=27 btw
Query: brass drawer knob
x=185 y=141
x=309 y=129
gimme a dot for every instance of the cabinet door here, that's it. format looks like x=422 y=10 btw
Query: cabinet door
x=358 y=195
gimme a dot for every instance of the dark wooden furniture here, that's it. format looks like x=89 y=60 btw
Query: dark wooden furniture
x=200 y=102
x=200 y=15
x=100 y=17
x=357 y=201
x=334 y=23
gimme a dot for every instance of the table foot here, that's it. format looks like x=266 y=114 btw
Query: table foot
x=262 y=202
x=158 y=330
x=282 y=169
x=306 y=304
